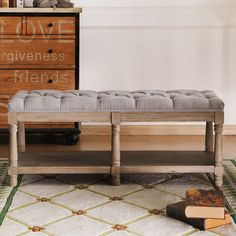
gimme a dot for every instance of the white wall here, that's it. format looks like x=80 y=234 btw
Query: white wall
x=163 y=44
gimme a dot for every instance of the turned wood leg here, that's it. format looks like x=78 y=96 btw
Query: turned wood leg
x=13 y=155
x=21 y=136
x=116 y=155
x=219 y=170
x=115 y=146
x=209 y=137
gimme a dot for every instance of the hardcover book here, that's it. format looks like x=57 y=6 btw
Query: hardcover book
x=19 y=3
x=177 y=211
x=12 y=3
x=5 y=3
x=204 y=204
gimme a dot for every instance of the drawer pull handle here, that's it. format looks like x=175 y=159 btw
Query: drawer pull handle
x=50 y=81
x=50 y=25
x=50 y=51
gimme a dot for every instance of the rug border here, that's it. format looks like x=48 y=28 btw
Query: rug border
x=9 y=200
x=234 y=215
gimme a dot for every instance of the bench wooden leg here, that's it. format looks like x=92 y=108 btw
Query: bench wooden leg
x=13 y=155
x=116 y=155
x=209 y=147
x=219 y=170
x=115 y=146
x=21 y=136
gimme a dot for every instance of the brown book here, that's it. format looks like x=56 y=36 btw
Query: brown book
x=177 y=211
x=12 y=3
x=204 y=204
x=5 y=3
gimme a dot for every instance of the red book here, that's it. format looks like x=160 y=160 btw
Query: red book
x=204 y=204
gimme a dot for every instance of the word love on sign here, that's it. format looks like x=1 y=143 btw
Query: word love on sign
x=32 y=26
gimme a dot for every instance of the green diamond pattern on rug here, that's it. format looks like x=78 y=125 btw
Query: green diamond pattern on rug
x=68 y=205
x=164 y=225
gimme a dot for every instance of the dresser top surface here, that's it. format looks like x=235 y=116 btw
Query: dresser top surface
x=40 y=10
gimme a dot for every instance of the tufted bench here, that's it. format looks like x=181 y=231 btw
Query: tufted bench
x=117 y=107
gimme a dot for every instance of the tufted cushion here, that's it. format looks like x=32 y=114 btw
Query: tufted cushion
x=79 y=100
x=54 y=101
x=153 y=100
x=141 y=100
x=116 y=100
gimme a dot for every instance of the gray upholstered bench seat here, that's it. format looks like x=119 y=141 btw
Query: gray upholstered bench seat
x=117 y=107
x=116 y=101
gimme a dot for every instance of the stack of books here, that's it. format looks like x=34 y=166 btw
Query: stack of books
x=11 y=3
x=203 y=209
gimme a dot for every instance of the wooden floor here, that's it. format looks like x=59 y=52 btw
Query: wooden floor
x=128 y=143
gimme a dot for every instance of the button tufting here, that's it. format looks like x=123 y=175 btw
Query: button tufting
x=141 y=100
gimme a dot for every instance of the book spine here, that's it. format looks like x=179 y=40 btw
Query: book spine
x=5 y=3
x=12 y=3
x=179 y=215
x=19 y=3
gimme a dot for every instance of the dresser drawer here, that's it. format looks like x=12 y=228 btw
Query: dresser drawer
x=4 y=109
x=12 y=81
x=4 y=120
x=10 y=25
x=50 y=25
x=37 y=52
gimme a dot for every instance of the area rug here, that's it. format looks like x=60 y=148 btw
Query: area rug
x=87 y=205
x=6 y=192
x=229 y=187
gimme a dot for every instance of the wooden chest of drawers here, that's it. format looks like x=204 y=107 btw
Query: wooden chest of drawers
x=39 y=49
